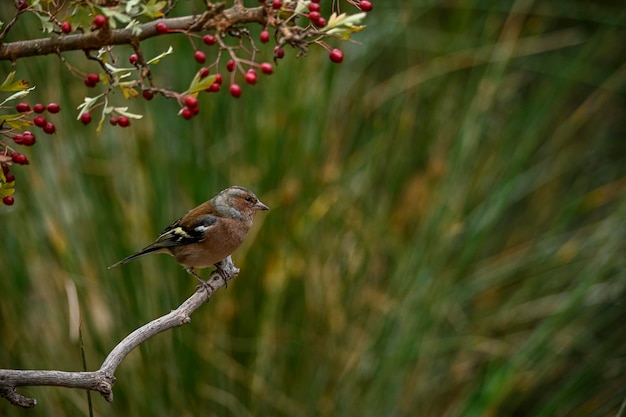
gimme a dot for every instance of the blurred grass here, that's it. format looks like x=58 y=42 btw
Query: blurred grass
x=447 y=232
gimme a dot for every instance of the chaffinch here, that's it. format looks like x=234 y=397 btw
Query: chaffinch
x=208 y=233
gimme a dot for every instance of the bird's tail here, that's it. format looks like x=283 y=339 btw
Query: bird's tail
x=145 y=251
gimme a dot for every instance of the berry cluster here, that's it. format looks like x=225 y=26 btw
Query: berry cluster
x=11 y=134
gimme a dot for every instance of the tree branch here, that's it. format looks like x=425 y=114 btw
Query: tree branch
x=216 y=17
x=102 y=380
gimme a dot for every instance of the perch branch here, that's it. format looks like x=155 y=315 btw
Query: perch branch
x=103 y=379
x=216 y=17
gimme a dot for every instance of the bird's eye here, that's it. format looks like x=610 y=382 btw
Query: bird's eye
x=249 y=199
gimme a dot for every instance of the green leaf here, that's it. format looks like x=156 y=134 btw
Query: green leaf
x=200 y=84
x=87 y=105
x=9 y=85
x=344 y=25
x=46 y=25
x=15 y=121
x=157 y=58
x=153 y=9
x=123 y=111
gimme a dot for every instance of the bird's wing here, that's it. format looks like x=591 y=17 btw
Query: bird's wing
x=178 y=234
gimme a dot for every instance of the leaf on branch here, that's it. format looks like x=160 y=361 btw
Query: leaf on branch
x=128 y=89
x=157 y=58
x=6 y=188
x=87 y=105
x=343 y=25
x=14 y=121
x=123 y=111
x=200 y=84
x=9 y=85
x=46 y=24
x=112 y=12
x=153 y=9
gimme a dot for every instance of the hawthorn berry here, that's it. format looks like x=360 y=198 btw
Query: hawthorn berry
x=313 y=16
x=92 y=79
x=39 y=108
x=321 y=22
x=209 y=39
x=203 y=72
x=123 y=121
x=336 y=56
x=100 y=21
x=5 y=168
x=266 y=68
x=113 y=121
x=85 y=118
x=161 y=27
x=147 y=95
x=22 y=107
x=191 y=102
x=366 y=5
x=19 y=158
x=251 y=76
x=279 y=53
x=8 y=200
x=200 y=57
x=264 y=36
x=22 y=5
x=18 y=138
x=40 y=121
x=9 y=177
x=235 y=90
x=277 y=4
x=28 y=139
x=230 y=65
x=218 y=79
x=66 y=27
x=53 y=108
x=133 y=59
x=187 y=113
x=314 y=7
x=315 y=1
x=49 y=128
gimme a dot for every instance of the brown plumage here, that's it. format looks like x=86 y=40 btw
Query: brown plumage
x=208 y=233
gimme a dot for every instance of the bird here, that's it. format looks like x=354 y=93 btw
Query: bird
x=207 y=234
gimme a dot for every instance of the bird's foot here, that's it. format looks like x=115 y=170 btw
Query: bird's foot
x=204 y=285
x=226 y=269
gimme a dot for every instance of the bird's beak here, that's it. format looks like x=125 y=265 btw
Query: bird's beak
x=260 y=206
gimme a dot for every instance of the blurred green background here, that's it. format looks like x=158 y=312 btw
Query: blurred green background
x=446 y=235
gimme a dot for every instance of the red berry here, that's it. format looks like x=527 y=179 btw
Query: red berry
x=40 y=121
x=49 y=128
x=209 y=39
x=336 y=56
x=66 y=27
x=251 y=76
x=22 y=5
x=22 y=107
x=315 y=1
x=235 y=90
x=187 y=113
x=313 y=16
x=277 y=4
x=230 y=65
x=123 y=121
x=213 y=88
x=148 y=95
x=85 y=118
x=19 y=158
x=204 y=72
x=18 y=138
x=53 y=108
x=28 y=138
x=314 y=7
x=279 y=52
x=133 y=59
x=38 y=108
x=161 y=27
x=321 y=22
x=9 y=177
x=191 y=102
x=93 y=78
x=266 y=68
x=265 y=36
x=5 y=169
x=113 y=120
x=99 y=21
x=8 y=200
x=200 y=57
x=218 y=79
x=366 y=6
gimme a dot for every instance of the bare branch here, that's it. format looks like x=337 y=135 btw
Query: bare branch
x=103 y=379
x=216 y=17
